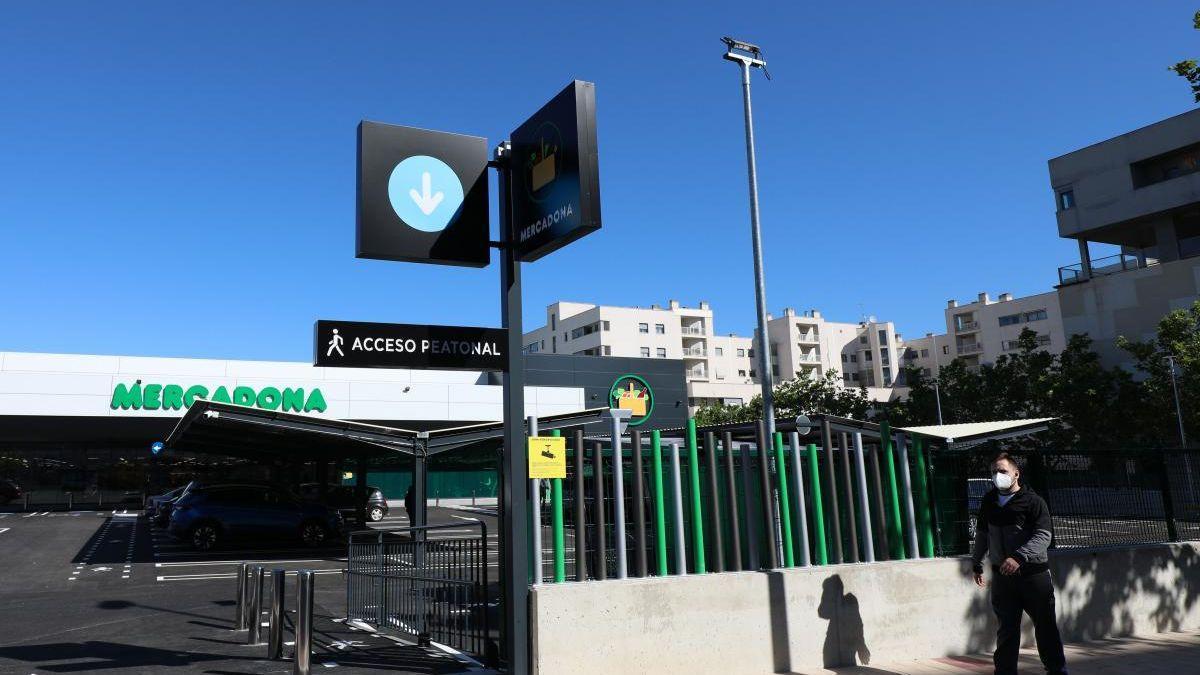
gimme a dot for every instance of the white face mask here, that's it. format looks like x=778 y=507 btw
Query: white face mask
x=1003 y=481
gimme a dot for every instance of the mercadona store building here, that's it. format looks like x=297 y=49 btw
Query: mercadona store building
x=81 y=427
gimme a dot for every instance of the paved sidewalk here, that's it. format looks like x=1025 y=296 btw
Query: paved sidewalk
x=1165 y=653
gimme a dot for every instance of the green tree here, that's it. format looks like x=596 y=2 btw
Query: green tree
x=807 y=394
x=1189 y=70
x=1179 y=338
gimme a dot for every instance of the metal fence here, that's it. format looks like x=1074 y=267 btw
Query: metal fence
x=423 y=583
x=1096 y=498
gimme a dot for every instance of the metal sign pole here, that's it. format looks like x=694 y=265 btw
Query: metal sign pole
x=535 y=527
x=514 y=563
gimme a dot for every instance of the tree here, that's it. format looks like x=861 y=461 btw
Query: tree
x=806 y=394
x=1179 y=338
x=1189 y=70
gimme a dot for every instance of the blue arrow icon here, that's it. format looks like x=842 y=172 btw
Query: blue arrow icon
x=425 y=192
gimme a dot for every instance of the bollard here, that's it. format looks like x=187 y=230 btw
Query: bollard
x=245 y=617
x=275 y=630
x=254 y=606
x=239 y=617
x=304 y=609
x=70 y=501
x=26 y=501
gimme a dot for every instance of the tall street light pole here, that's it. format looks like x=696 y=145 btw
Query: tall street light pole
x=750 y=56
x=1178 y=408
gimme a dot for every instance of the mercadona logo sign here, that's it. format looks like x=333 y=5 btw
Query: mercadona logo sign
x=138 y=396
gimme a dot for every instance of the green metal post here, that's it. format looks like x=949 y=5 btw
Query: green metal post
x=660 y=508
x=814 y=488
x=556 y=509
x=697 y=515
x=895 y=534
x=785 y=507
x=924 y=517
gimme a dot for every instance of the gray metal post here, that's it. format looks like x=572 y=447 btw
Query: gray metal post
x=864 y=512
x=717 y=538
x=848 y=483
x=880 y=520
x=731 y=485
x=254 y=606
x=601 y=571
x=514 y=561
x=580 y=513
x=618 y=467
x=275 y=629
x=833 y=513
x=535 y=491
x=909 y=511
x=247 y=576
x=770 y=513
x=752 y=527
x=677 y=504
x=304 y=610
x=239 y=617
x=641 y=566
x=801 y=537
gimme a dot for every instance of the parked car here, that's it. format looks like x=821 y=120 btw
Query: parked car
x=158 y=507
x=9 y=491
x=341 y=497
x=208 y=516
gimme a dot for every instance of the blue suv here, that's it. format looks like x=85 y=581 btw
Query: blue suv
x=207 y=516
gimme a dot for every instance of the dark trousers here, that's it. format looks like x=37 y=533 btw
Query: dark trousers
x=1032 y=595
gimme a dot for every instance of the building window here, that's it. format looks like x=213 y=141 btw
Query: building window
x=854 y=376
x=660 y=329
x=553 y=323
x=1010 y=320
x=741 y=353
x=532 y=349
x=854 y=358
x=720 y=374
x=924 y=353
x=1036 y=315
x=926 y=372
x=883 y=336
x=845 y=358
x=643 y=328
x=887 y=378
x=741 y=373
x=774 y=349
x=607 y=350
x=753 y=373
x=604 y=325
x=1066 y=200
x=719 y=351
x=870 y=356
x=862 y=339
x=750 y=353
x=945 y=349
x=662 y=352
x=1170 y=165
x=775 y=371
x=543 y=344
x=553 y=344
x=883 y=355
x=645 y=352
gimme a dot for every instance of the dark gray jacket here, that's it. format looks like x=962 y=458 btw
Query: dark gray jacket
x=1021 y=529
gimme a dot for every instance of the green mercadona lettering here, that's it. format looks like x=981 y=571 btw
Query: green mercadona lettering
x=140 y=396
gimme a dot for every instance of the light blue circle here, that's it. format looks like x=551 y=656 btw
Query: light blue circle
x=156 y=447
x=410 y=201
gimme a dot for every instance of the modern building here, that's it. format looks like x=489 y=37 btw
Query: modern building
x=1140 y=192
x=85 y=423
x=981 y=331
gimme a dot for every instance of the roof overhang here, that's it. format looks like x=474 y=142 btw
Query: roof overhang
x=974 y=433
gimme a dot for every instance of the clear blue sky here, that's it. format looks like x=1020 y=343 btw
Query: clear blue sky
x=179 y=181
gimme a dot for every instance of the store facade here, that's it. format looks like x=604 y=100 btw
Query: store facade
x=83 y=425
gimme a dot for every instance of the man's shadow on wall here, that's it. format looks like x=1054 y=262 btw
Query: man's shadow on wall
x=844 y=639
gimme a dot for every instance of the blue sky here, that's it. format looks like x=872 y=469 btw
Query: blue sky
x=179 y=180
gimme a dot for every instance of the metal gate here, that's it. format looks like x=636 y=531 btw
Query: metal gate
x=423 y=583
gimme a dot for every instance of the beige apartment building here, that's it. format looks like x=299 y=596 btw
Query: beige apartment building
x=724 y=368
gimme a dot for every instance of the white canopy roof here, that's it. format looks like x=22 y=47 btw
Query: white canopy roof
x=974 y=432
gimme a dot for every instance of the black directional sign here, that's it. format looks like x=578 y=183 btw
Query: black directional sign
x=357 y=344
x=555 y=175
x=422 y=196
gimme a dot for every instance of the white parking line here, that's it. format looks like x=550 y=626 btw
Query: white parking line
x=4 y=529
x=230 y=575
x=249 y=562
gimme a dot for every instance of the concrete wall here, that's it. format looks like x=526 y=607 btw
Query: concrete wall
x=786 y=620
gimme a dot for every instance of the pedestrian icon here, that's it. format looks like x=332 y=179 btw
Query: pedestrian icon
x=335 y=344
x=425 y=192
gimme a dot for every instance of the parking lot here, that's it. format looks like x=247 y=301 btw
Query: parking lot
x=105 y=591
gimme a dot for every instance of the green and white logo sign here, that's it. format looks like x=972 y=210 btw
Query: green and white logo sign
x=634 y=394
x=139 y=396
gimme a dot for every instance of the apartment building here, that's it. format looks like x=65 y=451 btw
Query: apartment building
x=864 y=354
x=981 y=331
x=718 y=368
x=1139 y=192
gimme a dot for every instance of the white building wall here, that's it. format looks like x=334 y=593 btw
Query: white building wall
x=979 y=337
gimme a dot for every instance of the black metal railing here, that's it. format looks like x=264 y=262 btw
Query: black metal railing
x=1096 y=497
x=422 y=582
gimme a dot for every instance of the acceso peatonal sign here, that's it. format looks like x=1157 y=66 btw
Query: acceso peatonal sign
x=359 y=344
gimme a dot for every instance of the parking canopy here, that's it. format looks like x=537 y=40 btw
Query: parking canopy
x=262 y=435
x=974 y=433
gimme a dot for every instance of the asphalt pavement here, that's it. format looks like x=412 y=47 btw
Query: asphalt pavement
x=104 y=591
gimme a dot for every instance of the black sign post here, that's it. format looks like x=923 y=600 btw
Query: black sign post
x=555 y=174
x=357 y=344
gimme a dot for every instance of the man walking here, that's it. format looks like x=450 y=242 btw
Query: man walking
x=1014 y=533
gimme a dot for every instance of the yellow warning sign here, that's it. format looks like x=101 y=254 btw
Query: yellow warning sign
x=547 y=457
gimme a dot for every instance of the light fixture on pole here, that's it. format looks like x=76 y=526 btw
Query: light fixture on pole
x=750 y=56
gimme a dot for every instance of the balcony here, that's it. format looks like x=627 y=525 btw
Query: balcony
x=695 y=353
x=966 y=327
x=693 y=330
x=811 y=337
x=973 y=348
x=809 y=358
x=1011 y=345
x=1102 y=267
x=697 y=373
